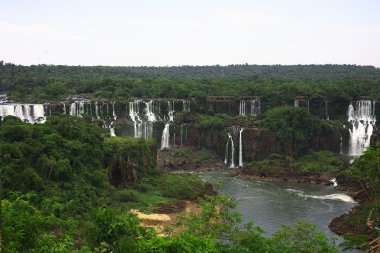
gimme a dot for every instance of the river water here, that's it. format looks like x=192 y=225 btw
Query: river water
x=270 y=204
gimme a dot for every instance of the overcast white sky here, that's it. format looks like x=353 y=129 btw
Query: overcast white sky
x=196 y=32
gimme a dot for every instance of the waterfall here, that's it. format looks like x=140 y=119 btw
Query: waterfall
x=166 y=133
x=242 y=108
x=114 y=112
x=255 y=107
x=241 y=148
x=135 y=117
x=308 y=105
x=341 y=145
x=363 y=121
x=232 y=161
x=171 y=111
x=73 y=109
x=165 y=137
x=226 y=152
x=333 y=181
x=32 y=113
x=326 y=110
x=149 y=107
x=232 y=164
x=97 y=110
x=296 y=103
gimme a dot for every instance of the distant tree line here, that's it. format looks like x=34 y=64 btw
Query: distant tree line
x=274 y=83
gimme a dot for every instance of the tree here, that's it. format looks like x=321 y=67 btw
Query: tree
x=294 y=127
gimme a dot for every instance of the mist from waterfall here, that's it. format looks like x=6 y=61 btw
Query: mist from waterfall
x=363 y=120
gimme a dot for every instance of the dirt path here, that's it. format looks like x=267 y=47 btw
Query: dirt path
x=167 y=215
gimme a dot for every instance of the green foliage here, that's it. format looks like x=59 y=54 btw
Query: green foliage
x=367 y=169
x=313 y=162
x=122 y=151
x=189 y=155
x=217 y=122
x=59 y=150
x=321 y=161
x=217 y=228
x=295 y=128
x=301 y=237
x=182 y=186
x=276 y=85
x=110 y=228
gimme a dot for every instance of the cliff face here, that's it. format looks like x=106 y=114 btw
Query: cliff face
x=129 y=158
x=257 y=143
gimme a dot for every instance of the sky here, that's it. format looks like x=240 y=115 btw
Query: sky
x=196 y=32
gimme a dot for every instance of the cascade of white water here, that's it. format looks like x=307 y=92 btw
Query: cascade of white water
x=326 y=110
x=149 y=118
x=33 y=113
x=226 y=152
x=241 y=148
x=333 y=181
x=112 y=132
x=308 y=105
x=232 y=164
x=296 y=103
x=165 y=137
x=149 y=111
x=38 y=113
x=73 y=109
x=166 y=133
x=363 y=121
x=255 y=107
x=242 y=108
x=97 y=110
x=171 y=111
x=135 y=117
x=341 y=145
x=64 y=108
x=232 y=161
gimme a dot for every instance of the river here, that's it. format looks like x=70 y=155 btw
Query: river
x=270 y=204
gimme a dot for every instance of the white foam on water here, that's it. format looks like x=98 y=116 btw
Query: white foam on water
x=335 y=196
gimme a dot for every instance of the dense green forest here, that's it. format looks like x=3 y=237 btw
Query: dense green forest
x=275 y=83
x=58 y=196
